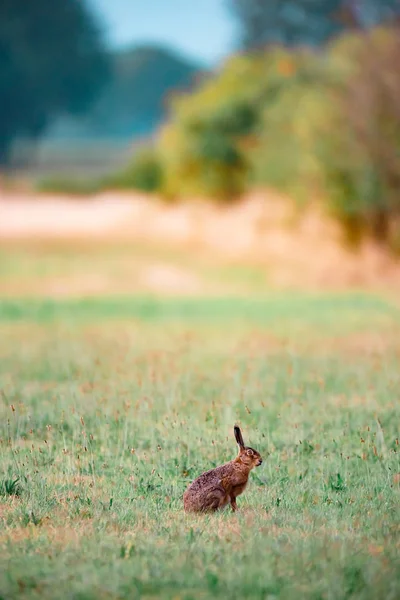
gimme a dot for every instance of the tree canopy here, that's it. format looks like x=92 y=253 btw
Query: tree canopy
x=306 y=22
x=52 y=61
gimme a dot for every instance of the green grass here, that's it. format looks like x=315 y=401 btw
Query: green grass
x=110 y=407
x=272 y=310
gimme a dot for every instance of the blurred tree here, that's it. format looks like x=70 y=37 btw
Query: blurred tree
x=52 y=61
x=360 y=147
x=309 y=22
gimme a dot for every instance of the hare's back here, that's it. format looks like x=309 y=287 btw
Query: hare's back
x=206 y=492
x=210 y=478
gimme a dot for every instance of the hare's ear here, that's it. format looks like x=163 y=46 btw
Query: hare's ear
x=238 y=436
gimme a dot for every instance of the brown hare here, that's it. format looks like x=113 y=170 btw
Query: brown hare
x=216 y=488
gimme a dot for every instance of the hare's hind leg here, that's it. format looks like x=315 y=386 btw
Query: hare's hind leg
x=217 y=498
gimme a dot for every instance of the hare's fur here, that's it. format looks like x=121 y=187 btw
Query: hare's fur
x=215 y=489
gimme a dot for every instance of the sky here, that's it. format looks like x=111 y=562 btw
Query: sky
x=204 y=30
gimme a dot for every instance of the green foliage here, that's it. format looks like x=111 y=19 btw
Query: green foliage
x=10 y=487
x=296 y=103
x=284 y=21
x=311 y=124
x=69 y=186
x=360 y=157
x=305 y=22
x=251 y=124
x=52 y=61
x=336 y=483
x=202 y=146
x=144 y=173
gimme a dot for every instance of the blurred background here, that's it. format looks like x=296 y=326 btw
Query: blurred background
x=223 y=146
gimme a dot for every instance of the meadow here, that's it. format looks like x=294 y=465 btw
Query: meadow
x=111 y=405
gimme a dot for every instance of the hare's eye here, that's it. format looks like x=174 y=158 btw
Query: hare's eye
x=249 y=453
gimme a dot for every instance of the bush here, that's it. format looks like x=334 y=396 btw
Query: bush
x=202 y=146
x=203 y=164
x=251 y=124
x=308 y=123
x=145 y=173
x=360 y=156
x=284 y=156
x=68 y=185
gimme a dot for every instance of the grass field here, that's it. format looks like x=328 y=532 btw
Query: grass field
x=110 y=406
